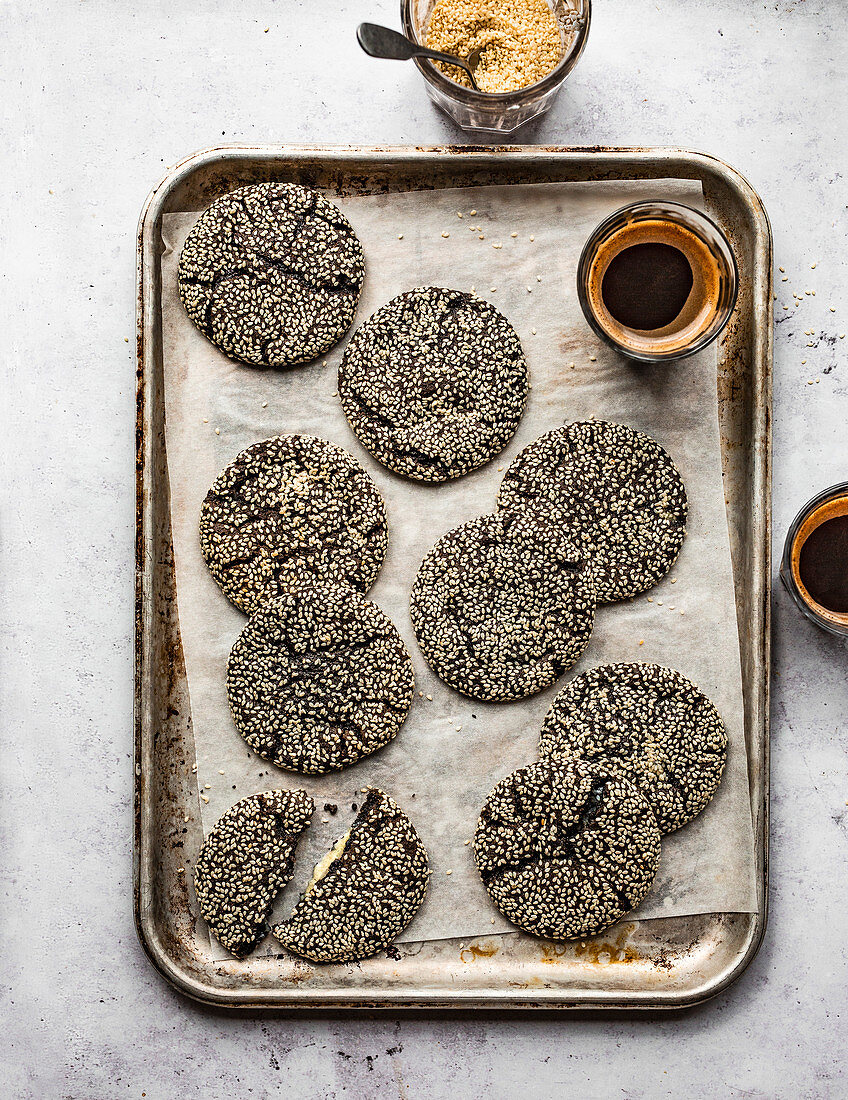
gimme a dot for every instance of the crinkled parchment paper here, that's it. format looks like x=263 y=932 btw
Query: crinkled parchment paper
x=452 y=750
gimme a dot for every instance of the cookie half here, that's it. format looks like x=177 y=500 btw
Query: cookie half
x=615 y=485
x=271 y=274
x=364 y=892
x=245 y=861
x=291 y=510
x=434 y=383
x=648 y=724
x=498 y=613
x=318 y=679
x=565 y=849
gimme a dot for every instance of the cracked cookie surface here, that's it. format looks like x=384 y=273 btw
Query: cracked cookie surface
x=288 y=511
x=565 y=849
x=318 y=679
x=245 y=862
x=272 y=274
x=364 y=892
x=617 y=486
x=434 y=383
x=499 y=614
x=648 y=724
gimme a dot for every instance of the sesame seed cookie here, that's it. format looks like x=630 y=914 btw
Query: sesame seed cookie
x=616 y=485
x=434 y=383
x=364 y=892
x=499 y=614
x=291 y=510
x=245 y=862
x=318 y=679
x=648 y=724
x=271 y=274
x=565 y=849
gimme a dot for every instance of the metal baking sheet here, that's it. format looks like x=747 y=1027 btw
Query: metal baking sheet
x=669 y=963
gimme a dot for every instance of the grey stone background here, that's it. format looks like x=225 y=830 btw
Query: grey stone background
x=96 y=100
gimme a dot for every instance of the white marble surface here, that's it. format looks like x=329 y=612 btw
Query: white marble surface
x=97 y=99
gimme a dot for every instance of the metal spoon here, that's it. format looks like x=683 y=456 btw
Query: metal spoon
x=384 y=42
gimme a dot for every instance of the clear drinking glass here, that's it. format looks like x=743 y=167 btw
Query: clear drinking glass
x=804 y=523
x=497 y=112
x=711 y=238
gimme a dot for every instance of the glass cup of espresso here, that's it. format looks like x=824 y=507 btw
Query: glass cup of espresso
x=657 y=281
x=814 y=569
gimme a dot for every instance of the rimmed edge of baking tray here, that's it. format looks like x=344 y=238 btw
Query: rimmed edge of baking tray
x=606 y=163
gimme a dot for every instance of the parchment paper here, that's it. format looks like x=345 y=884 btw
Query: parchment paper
x=452 y=750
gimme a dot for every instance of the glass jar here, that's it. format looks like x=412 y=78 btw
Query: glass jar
x=829 y=504
x=711 y=241
x=497 y=112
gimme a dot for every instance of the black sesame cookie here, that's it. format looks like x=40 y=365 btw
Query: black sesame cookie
x=245 y=861
x=318 y=679
x=616 y=485
x=364 y=892
x=498 y=613
x=648 y=724
x=271 y=274
x=290 y=510
x=565 y=849
x=434 y=383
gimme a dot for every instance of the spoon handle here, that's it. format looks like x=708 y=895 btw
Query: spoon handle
x=380 y=41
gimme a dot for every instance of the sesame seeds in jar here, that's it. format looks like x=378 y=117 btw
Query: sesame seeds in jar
x=516 y=43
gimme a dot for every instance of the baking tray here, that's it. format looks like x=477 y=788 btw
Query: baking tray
x=665 y=963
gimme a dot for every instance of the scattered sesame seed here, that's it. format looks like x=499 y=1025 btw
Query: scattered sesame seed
x=498 y=245
x=659 y=603
x=533 y=331
x=781 y=269
x=217 y=431
x=467 y=842
x=205 y=797
x=641 y=641
x=459 y=213
x=785 y=279
x=448 y=872
x=445 y=234
x=430 y=697
x=400 y=236
x=532 y=238
x=482 y=237
x=206 y=420
x=473 y=211
x=181 y=870
x=812 y=266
